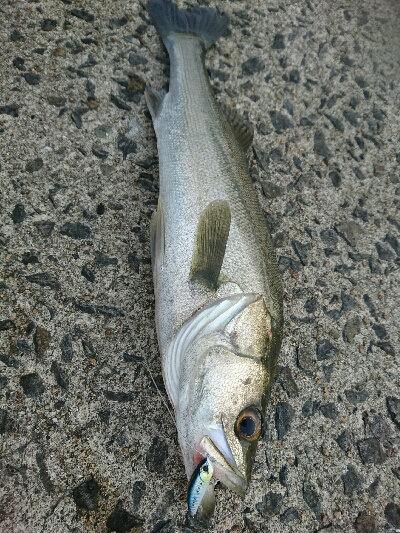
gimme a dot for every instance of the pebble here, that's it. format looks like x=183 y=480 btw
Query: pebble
x=312 y=498
x=16 y=35
x=126 y=145
x=355 y=397
x=288 y=383
x=75 y=230
x=325 y=350
x=393 y=406
x=329 y=410
x=44 y=227
x=336 y=122
x=393 y=242
x=87 y=273
x=365 y=523
x=86 y=495
x=31 y=78
x=271 y=189
x=305 y=358
x=279 y=42
x=41 y=340
x=284 y=415
x=294 y=76
x=392 y=514
x=9 y=361
x=66 y=347
x=82 y=14
x=349 y=231
x=351 y=481
x=371 y=451
x=108 y=310
x=11 y=110
x=48 y=24
x=320 y=147
x=335 y=177
x=384 y=252
x=44 y=474
x=290 y=515
x=122 y=521
x=103 y=260
x=270 y=505
x=310 y=407
x=32 y=384
x=57 y=101
x=121 y=104
x=6 y=324
x=103 y=131
x=344 y=440
x=60 y=375
x=156 y=455
x=138 y=490
x=351 y=118
x=30 y=258
x=19 y=214
x=19 y=63
x=302 y=250
x=3 y=421
x=380 y=331
x=287 y=263
x=280 y=121
x=116 y=396
x=84 y=308
x=88 y=349
x=44 y=279
x=359 y=174
x=351 y=328
x=252 y=65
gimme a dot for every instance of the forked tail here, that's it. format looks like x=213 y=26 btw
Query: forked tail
x=206 y=23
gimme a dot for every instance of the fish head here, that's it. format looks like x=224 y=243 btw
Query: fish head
x=221 y=414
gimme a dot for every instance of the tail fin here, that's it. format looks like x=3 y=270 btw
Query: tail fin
x=207 y=23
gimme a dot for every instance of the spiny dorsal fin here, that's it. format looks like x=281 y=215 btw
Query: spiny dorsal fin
x=243 y=131
x=209 y=249
x=154 y=99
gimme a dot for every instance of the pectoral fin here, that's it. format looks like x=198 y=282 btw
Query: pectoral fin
x=212 y=236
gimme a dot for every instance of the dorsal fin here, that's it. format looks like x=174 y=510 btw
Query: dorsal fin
x=243 y=131
x=210 y=244
x=157 y=238
x=154 y=100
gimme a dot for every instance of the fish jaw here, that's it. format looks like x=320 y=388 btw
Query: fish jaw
x=225 y=469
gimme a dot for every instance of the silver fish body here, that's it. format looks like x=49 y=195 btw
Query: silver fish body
x=218 y=293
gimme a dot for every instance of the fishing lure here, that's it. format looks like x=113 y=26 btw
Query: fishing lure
x=198 y=485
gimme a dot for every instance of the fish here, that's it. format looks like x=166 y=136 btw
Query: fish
x=218 y=293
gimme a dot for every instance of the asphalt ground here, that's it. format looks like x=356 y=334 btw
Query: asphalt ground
x=87 y=444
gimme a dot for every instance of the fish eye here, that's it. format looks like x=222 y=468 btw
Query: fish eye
x=248 y=424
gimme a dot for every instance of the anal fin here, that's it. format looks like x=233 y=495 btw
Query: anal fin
x=210 y=244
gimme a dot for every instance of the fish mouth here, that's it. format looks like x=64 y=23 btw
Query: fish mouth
x=225 y=469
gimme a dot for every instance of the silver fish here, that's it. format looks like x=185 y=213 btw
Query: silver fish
x=218 y=293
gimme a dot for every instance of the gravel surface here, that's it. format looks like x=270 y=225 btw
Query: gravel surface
x=87 y=444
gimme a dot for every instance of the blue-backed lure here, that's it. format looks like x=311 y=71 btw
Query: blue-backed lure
x=198 y=485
